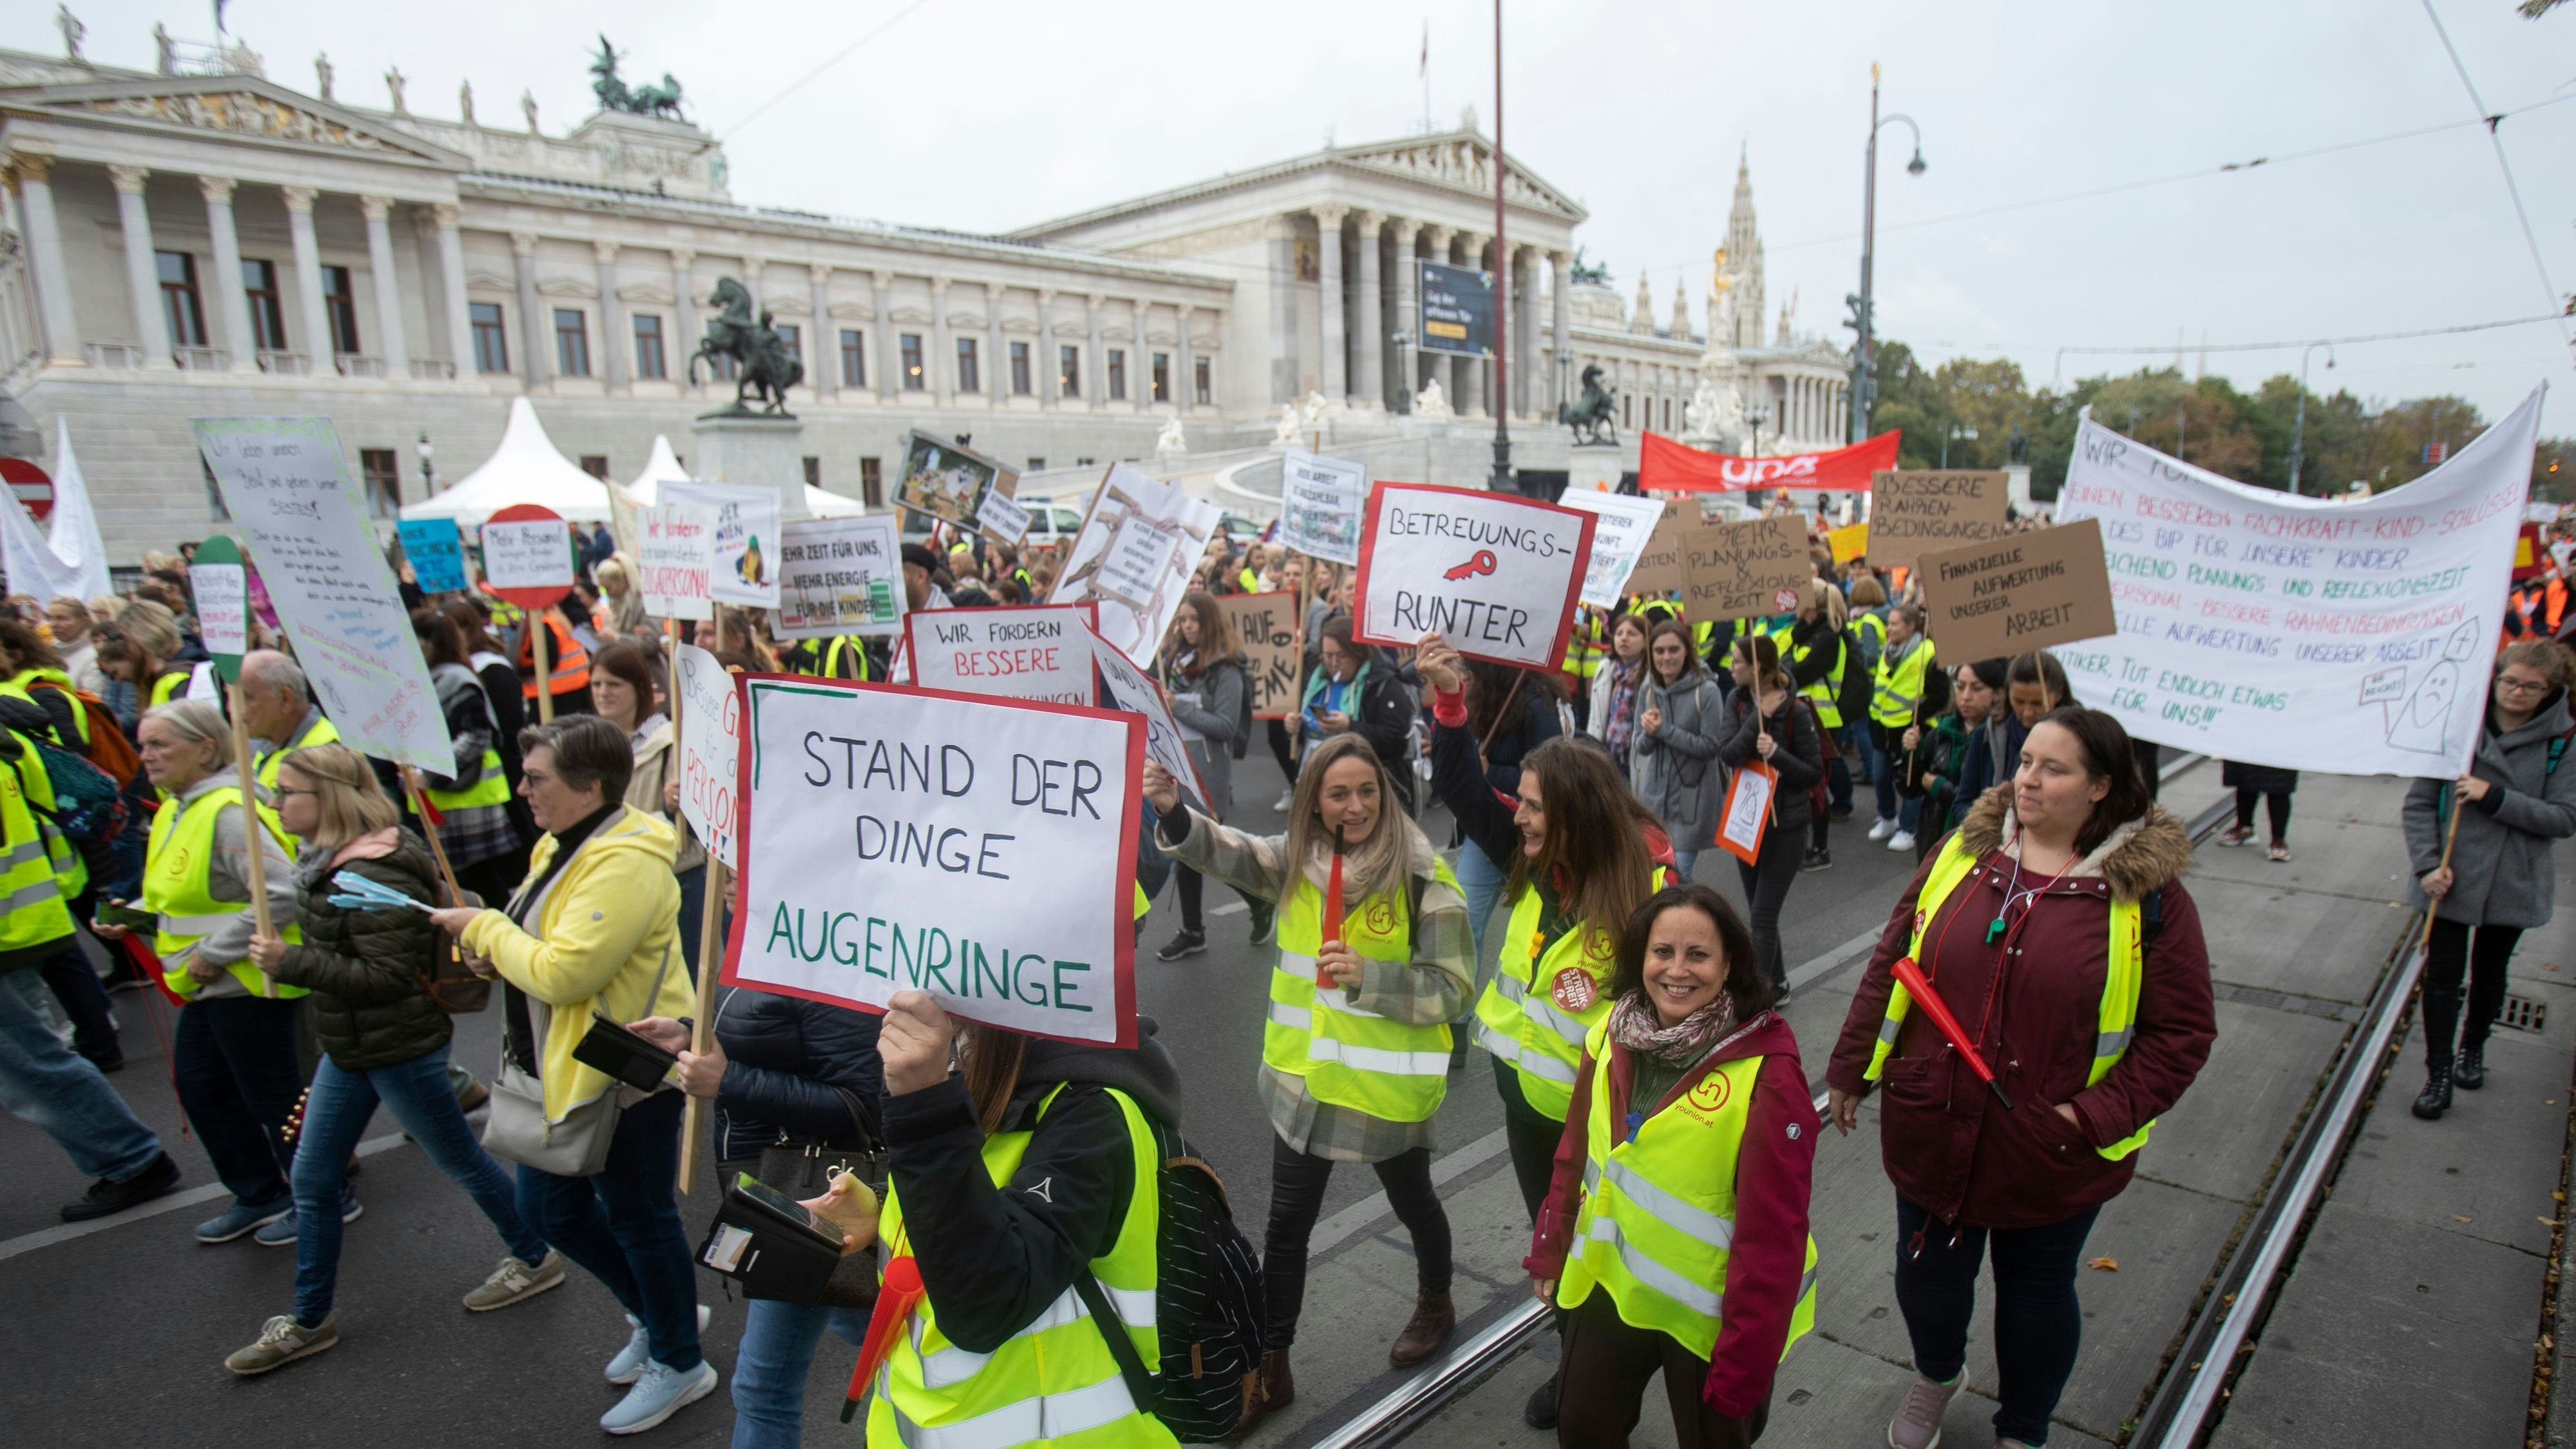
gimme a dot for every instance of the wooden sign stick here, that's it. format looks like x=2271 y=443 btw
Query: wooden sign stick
x=537 y=632
x=253 y=825
x=710 y=936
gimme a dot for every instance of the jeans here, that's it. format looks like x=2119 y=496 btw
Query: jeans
x=1297 y=1182
x=769 y=1368
x=335 y=1116
x=45 y=1083
x=234 y=1060
x=693 y=914
x=1481 y=881
x=2038 y=1322
x=1766 y=885
x=1683 y=860
x=1838 y=775
x=622 y=1226
x=1883 y=744
x=2447 y=957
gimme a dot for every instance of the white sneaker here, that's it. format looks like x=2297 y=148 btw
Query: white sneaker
x=1286 y=797
x=1901 y=841
x=659 y=1393
x=631 y=1359
x=1883 y=829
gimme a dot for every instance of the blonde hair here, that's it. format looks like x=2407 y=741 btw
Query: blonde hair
x=199 y=723
x=1828 y=603
x=612 y=567
x=151 y=628
x=352 y=803
x=1378 y=864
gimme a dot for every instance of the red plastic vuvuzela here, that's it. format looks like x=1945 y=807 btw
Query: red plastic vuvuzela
x=897 y=1296
x=1920 y=988
x=1332 y=906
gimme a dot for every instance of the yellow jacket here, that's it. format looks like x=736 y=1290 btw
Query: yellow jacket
x=608 y=924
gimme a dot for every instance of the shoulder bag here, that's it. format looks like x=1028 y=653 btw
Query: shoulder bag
x=517 y=1129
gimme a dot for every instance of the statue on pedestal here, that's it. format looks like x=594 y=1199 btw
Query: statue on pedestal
x=1170 y=440
x=1286 y=432
x=1431 y=402
x=1590 y=416
x=763 y=365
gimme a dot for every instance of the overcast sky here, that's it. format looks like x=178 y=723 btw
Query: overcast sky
x=986 y=116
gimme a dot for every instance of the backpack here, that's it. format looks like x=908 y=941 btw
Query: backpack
x=90 y=810
x=1860 y=681
x=1242 y=714
x=108 y=747
x=1207 y=1304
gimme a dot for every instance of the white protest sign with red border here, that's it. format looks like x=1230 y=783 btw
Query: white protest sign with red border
x=981 y=850
x=710 y=750
x=1498 y=576
x=1132 y=690
x=1033 y=651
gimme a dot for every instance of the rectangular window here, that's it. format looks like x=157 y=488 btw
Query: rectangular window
x=1668 y=415
x=1035 y=464
x=1020 y=385
x=970 y=377
x=913 y=381
x=794 y=337
x=1082 y=462
x=1118 y=374
x=871 y=476
x=854 y=359
x=340 y=300
x=267 y=319
x=1627 y=411
x=595 y=464
x=572 y=342
x=179 y=298
x=382 y=477
x=1202 y=384
x=491 y=339
x=1162 y=377
x=813 y=472
x=649 y=362
x=1068 y=371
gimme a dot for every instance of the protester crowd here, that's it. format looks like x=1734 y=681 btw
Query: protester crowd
x=1654 y=1099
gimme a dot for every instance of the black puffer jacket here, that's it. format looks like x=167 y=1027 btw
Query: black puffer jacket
x=364 y=967
x=793 y=1070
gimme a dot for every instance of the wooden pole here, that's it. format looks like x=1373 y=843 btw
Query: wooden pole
x=710 y=939
x=2450 y=838
x=253 y=827
x=537 y=632
x=437 y=849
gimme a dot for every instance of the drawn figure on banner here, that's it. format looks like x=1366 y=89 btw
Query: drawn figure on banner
x=2423 y=722
x=1135 y=631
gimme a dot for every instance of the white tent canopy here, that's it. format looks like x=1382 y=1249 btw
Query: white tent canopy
x=524 y=469
x=664 y=466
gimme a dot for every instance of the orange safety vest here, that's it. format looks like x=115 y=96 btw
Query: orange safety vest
x=569 y=662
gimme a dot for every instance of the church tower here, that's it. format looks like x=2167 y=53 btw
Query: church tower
x=1681 y=313
x=1744 y=257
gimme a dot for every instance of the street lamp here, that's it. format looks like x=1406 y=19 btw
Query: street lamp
x=428 y=475
x=1864 y=350
x=1954 y=431
x=1754 y=417
x=2299 y=428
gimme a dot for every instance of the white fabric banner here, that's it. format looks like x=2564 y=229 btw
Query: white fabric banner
x=74 y=536
x=2255 y=626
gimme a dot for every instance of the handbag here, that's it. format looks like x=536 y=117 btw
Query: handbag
x=452 y=987
x=578 y=1145
x=806 y=1170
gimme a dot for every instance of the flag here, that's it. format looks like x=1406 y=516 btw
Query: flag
x=1665 y=466
x=75 y=538
x=1423 y=72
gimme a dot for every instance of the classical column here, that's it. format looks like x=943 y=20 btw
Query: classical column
x=997 y=362
x=142 y=271
x=1096 y=386
x=1560 y=308
x=684 y=317
x=1408 y=367
x=45 y=240
x=889 y=355
x=1525 y=383
x=942 y=362
x=1469 y=396
x=612 y=331
x=534 y=365
x=232 y=300
x=1049 y=379
x=822 y=347
x=308 y=276
x=380 y=261
x=1140 y=357
x=1283 y=309
x=451 y=274
x=1370 y=309
x=1335 y=373
x=1185 y=376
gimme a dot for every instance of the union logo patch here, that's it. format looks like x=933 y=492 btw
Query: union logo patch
x=1574 y=989
x=1711 y=1093
x=1379 y=917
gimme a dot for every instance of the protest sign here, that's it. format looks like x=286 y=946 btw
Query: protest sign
x=1744 y=570
x=2254 y=624
x=1320 y=501
x=2011 y=595
x=1035 y=651
x=1002 y=518
x=1848 y=542
x=673 y=551
x=980 y=850
x=944 y=482
x=1659 y=562
x=1626 y=523
x=840 y=576
x=2530 y=555
x=1130 y=689
x=1266 y=627
x=220 y=588
x=1140 y=555
x=743 y=534
x=710 y=749
x=626 y=512
x=1135 y=630
x=1748 y=811
x=285 y=486
x=527 y=555
x=437 y=556
x=1915 y=511
x=1497 y=575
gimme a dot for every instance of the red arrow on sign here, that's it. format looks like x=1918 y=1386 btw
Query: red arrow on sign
x=33 y=485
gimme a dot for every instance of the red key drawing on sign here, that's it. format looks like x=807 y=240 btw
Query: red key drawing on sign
x=1482 y=563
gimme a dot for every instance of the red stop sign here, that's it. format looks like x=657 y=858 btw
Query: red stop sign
x=33 y=485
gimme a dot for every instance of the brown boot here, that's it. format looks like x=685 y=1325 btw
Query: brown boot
x=1278 y=1385
x=1433 y=1316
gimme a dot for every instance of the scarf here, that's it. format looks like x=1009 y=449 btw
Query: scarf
x=1621 y=727
x=1634 y=1025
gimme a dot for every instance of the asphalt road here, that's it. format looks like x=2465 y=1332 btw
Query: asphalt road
x=119 y=1332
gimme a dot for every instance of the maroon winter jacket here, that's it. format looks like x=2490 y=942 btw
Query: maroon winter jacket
x=1950 y=1147
x=1773 y=1169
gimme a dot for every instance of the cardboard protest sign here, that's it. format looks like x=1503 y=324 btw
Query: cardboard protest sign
x=436 y=554
x=1265 y=626
x=710 y=749
x=527 y=555
x=674 y=554
x=1915 y=511
x=1002 y=518
x=286 y=487
x=981 y=850
x=1658 y=570
x=2255 y=624
x=947 y=483
x=1744 y=570
x=220 y=587
x=1626 y=524
x=1848 y=542
x=742 y=543
x=1498 y=576
x=1132 y=690
x=1136 y=629
x=1320 y=502
x=2012 y=595
x=840 y=576
x=1036 y=651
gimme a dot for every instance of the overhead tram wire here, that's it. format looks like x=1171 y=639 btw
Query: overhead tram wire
x=810 y=76
x=2057 y=372
x=2495 y=138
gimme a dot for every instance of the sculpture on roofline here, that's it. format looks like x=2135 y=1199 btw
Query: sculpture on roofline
x=662 y=101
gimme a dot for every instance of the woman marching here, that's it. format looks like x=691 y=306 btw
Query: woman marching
x=1767 y=721
x=1675 y=1229
x=1204 y=671
x=2055 y=927
x=1613 y=716
x=1355 y=1056
x=1680 y=720
x=2497 y=879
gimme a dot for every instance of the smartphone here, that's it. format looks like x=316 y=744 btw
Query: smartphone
x=113 y=913
x=783 y=1205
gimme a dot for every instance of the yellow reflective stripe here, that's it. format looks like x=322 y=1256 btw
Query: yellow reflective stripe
x=1566 y=1027
x=1295 y=1017
x=31 y=894
x=1302 y=968
x=954 y=1365
x=18 y=855
x=1049 y=1416
x=1671 y=1211
x=200 y=925
x=1378 y=1059
x=1699 y=1298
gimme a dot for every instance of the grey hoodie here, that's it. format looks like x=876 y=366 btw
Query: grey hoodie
x=2501 y=863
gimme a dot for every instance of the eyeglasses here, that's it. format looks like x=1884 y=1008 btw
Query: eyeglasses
x=2521 y=686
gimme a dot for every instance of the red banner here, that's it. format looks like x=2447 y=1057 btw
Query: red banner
x=1665 y=466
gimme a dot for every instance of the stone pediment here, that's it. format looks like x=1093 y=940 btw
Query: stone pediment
x=478 y=279
x=646 y=292
x=236 y=106
x=1463 y=159
x=854 y=311
x=566 y=287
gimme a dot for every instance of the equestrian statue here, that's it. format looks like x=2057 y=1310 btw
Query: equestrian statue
x=1590 y=418
x=761 y=362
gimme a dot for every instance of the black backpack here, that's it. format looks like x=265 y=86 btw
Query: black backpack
x=1207 y=1304
x=1859 y=682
